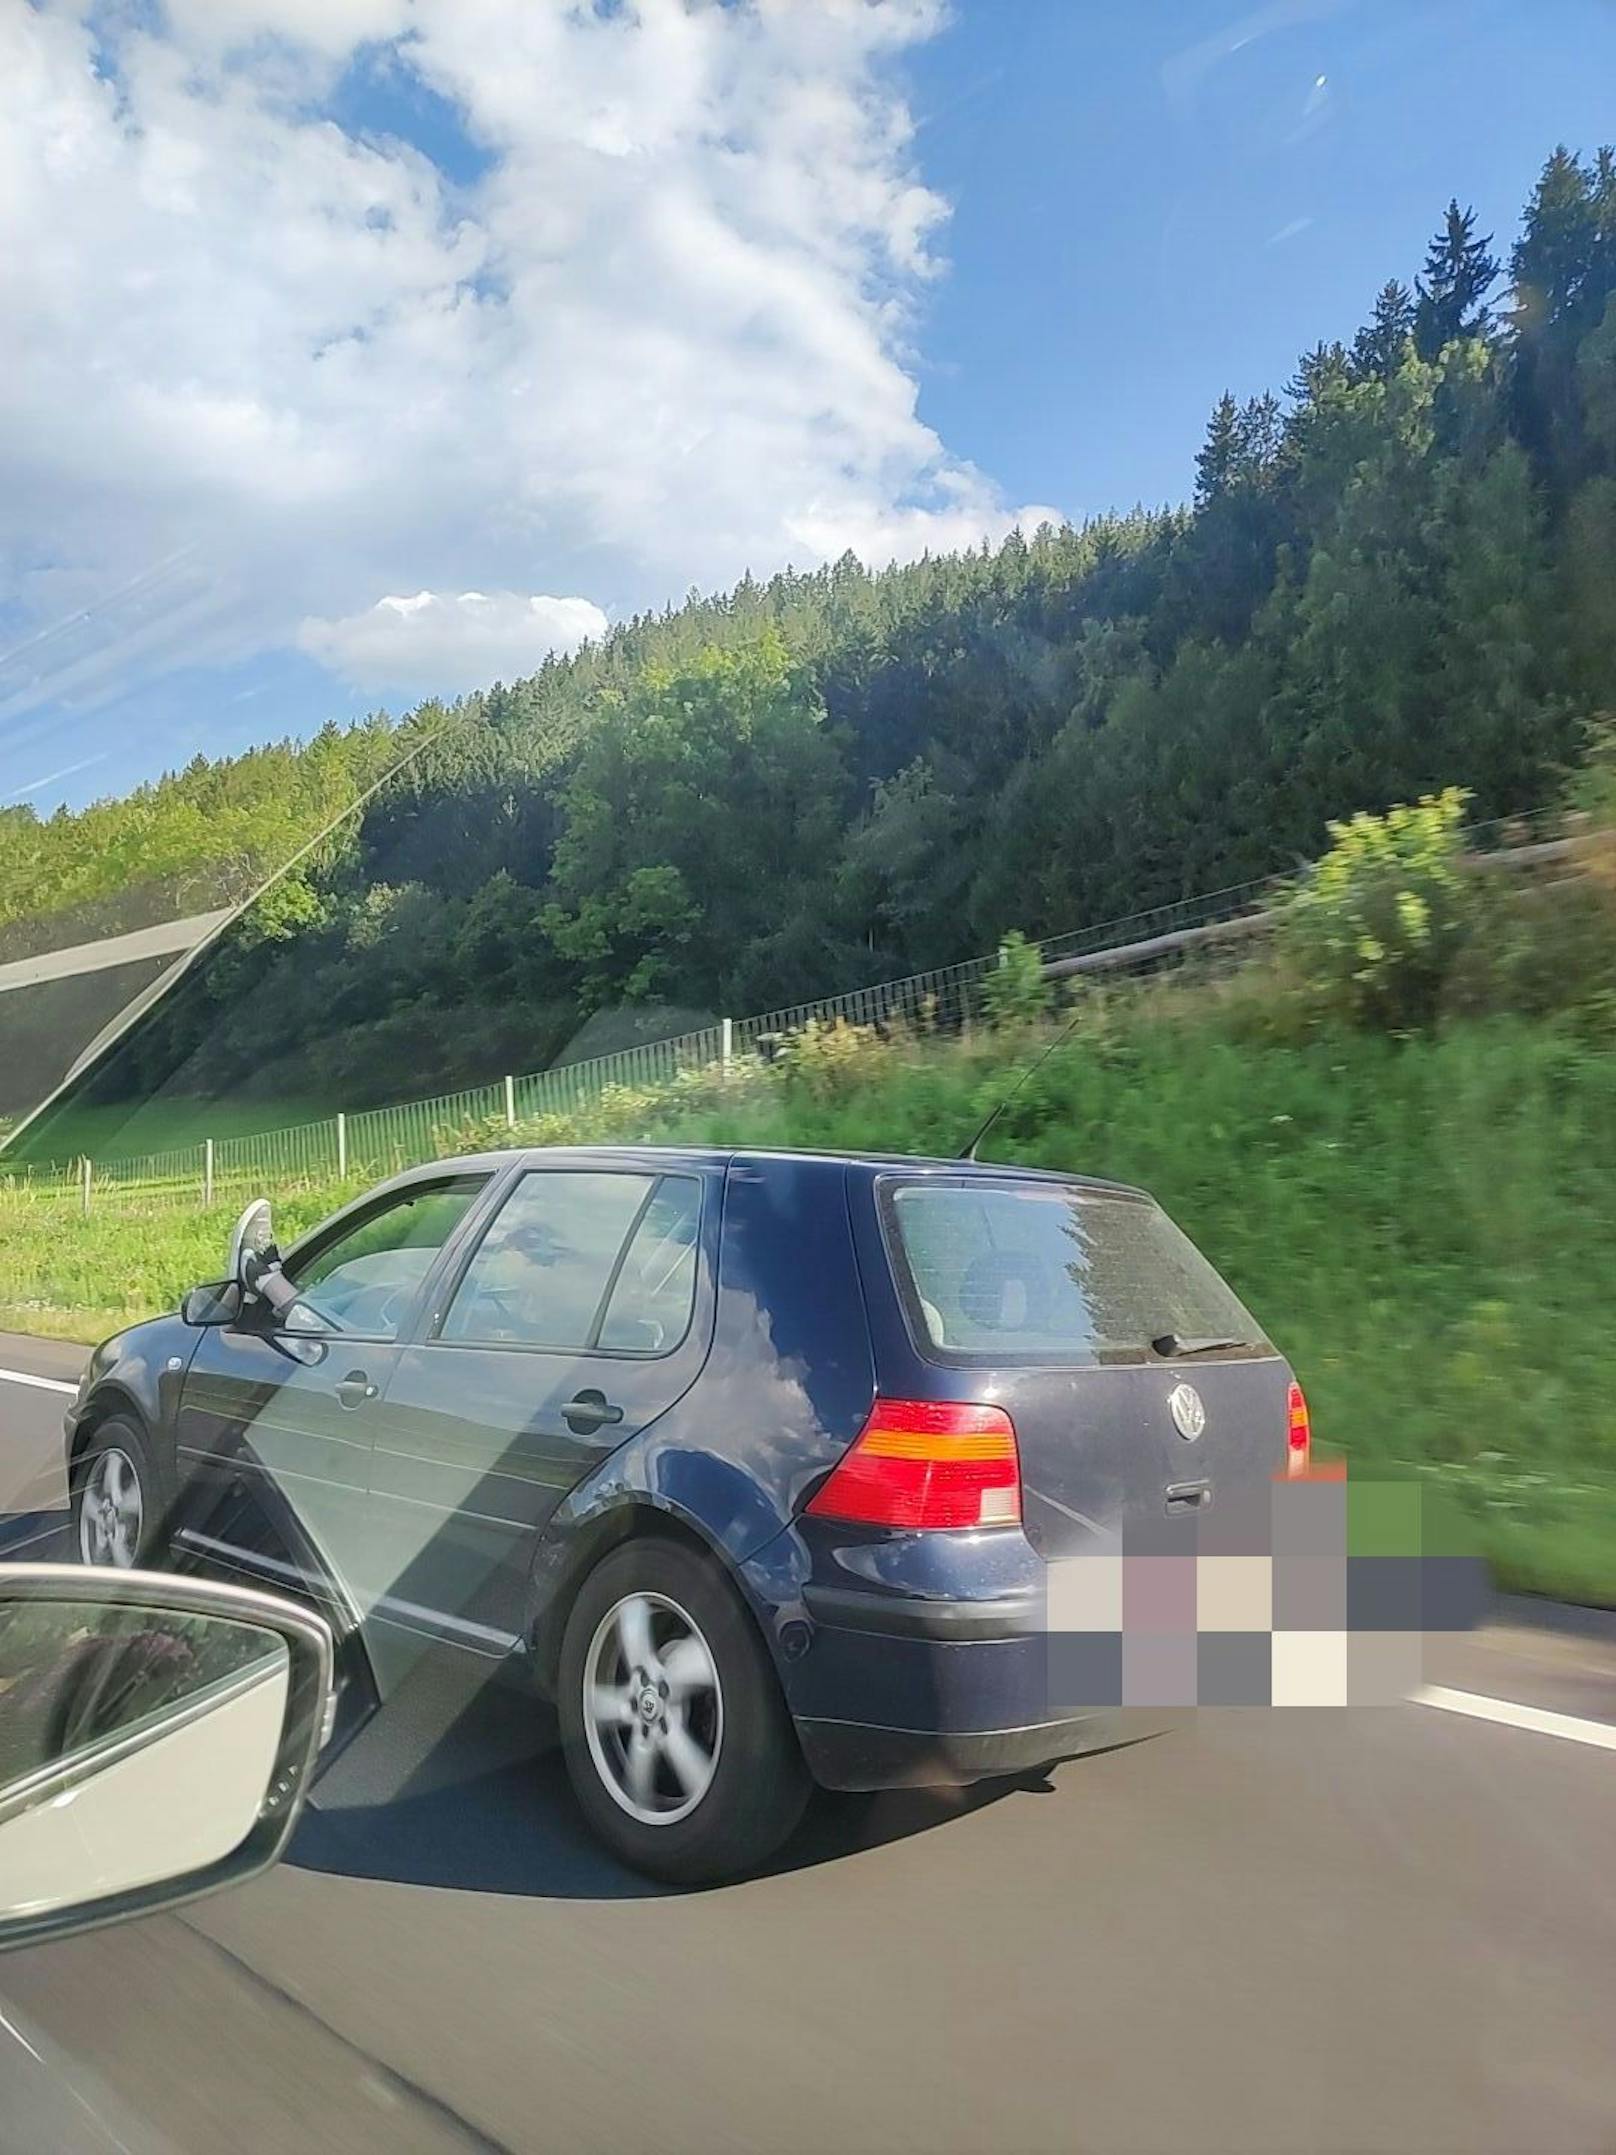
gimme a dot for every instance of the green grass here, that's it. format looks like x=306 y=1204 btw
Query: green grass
x=1428 y=1227
x=66 y=1277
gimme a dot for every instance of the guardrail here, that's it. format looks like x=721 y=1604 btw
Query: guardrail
x=379 y=1141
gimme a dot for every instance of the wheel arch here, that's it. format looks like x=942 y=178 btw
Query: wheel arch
x=109 y=1402
x=114 y=1402
x=637 y=1517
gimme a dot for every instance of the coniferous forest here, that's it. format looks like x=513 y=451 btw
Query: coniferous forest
x=1398 y=573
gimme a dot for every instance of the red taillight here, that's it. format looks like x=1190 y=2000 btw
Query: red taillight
x=1298 y=1434
x=927 y=1463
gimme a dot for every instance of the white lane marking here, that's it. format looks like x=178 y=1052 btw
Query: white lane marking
x=1571 y=1727
x=43 y=1384
x=21 y=2038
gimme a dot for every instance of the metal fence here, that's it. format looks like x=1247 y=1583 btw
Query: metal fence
x=362 y=1146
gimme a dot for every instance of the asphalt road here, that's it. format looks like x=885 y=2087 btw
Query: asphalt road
x=1379 y=1929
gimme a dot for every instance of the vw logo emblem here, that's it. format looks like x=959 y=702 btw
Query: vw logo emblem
x=1189 y=1416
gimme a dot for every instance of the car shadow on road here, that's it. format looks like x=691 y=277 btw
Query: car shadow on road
x=473 y=1795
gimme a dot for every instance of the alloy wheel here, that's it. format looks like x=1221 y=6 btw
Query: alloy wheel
x=653 y=1708
x=111 y=1511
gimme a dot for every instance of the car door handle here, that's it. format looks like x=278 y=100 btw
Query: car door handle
x=355 y=1389
x=589 y=1411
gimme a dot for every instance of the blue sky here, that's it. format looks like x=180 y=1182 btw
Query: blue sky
x=1152 y=204
x=366 y=356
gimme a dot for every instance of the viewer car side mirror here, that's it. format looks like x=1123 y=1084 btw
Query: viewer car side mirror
x=157 y=1737
x=217 y=1303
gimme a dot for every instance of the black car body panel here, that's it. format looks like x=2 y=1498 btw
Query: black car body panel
x=458 y=1490
x=138 y=1372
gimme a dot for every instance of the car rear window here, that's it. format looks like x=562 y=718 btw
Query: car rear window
x=1018 y=1271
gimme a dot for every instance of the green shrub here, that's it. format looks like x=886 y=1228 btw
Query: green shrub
x=1376 y=927
x=829 y=1062
x=1539 y=950
x=1592 y=796
x=1593 y=786
x=1016 y=992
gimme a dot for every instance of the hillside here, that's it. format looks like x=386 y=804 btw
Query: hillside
x=1395 y=576
x=1416 y=1223
x=1391 y=1121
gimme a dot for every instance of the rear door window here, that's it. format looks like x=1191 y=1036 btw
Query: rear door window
x=1018 y=1271
x=541 y=1274
x=650 y=1305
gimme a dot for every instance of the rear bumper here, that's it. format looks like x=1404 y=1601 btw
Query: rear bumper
x=897 y=1616
x=857 y=1755
x=926 y=1661
x=938 y=1693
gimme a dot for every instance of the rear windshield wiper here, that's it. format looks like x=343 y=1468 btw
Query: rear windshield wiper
x=1176 y=1344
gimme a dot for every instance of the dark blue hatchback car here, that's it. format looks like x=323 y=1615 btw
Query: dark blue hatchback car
x=775 y=1469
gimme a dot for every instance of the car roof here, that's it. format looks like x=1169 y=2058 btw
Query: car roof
x=712 y=1156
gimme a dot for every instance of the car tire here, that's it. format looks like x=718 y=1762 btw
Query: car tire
x=687 y=1779
x=116 y=1498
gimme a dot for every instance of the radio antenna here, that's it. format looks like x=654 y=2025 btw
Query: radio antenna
x=1037 y=1064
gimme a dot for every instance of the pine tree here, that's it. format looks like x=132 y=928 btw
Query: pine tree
x=1259 y=431
x=1325 y=367
x=1380 y=347
x=1603 y=187
x=1552 y=260
x=1563 y=269
x=1459 y=273
x=1216 y=462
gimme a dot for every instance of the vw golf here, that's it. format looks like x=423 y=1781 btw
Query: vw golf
x=759 y=1464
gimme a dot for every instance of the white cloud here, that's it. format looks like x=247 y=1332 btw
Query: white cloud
x=264 y=367
x=442 y=641
x=329 y=27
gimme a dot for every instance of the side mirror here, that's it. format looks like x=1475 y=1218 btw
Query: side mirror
x=156 y=1743
x=218 y=1303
